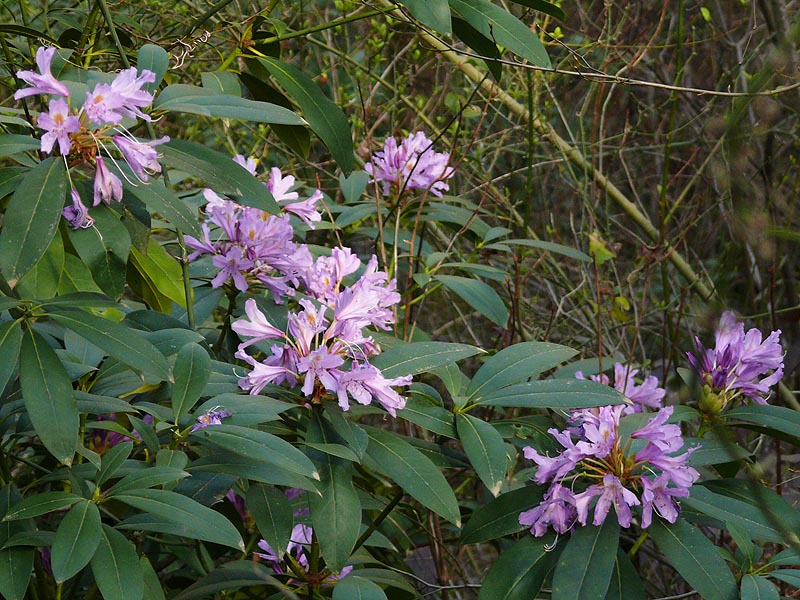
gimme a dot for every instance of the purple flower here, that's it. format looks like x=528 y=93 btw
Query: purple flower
x=557 y=509
x=413 y=165
x=255 y=326
x=612 y=492
x=107 y=186
x=647 y=394
x=77 y=214
x=141 y=156
x=300 y=539
x=232 y=265
x=657 y=496
x=238 y=504
x=305 y=209
x=42 y=82
x=248 y=163
x=210 y=417
x=363 y=382
x=58 y=124
x=108 y=104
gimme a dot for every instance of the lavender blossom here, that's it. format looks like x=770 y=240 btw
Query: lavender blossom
x=141 y=156
x=300 y=540
x=107 y=186
x=648 y=394
x=42 y=82
x=210 y=417
x=58 y=124
x=108 y=104
x=413 y=165
x=77 y=214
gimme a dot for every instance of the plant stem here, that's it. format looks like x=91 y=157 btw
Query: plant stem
x=638 y=544
x=379 y=519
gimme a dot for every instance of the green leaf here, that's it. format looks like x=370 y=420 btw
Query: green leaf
x=160 y=199
x=485 y=450
x=161 y=272
x=247 y=410
x=153 y=58
x=272 y=512
x=498 y=25
x=500 y=517
x=433 y=13
x=112 y=460
x=27 y=32
x=248 y=468
x=325 y=118
x=31 y=219
x=625 y=583
x=77 y=539
x=515 y=364
x=430 y=416
x=413 y=471
x=10 y=343
x=542 y=6
x=216 y=170
x=43 y=280
x=790 y=576
x=191 y=372
x=16 y=565
x=586 y=563
x=483 y=47
x=152 y=585
x=234 y=575
x=123 y=343
x=755 y=587
x=208 y=103
x=201 y=522
x=12 y=144
x=353 y=185
x=520 y=571
x=420 y=357
x=696 y=559
x=259 y=445
x=116 y=567
x=48 y=396
x=222 y=82
x=779 y=418
x=479 y=295
x=146 y=478
x=551 y=247
x=40 y=504
x=753 y=519
x=336 y=511
x=554 y=393
x=354 y=587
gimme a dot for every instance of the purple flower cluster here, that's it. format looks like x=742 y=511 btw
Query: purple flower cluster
x=738 y=365
x=598 y=469
x=648 y=394
x=93 y=129
x=248 y=244
x=411 y=165
x=296 y=560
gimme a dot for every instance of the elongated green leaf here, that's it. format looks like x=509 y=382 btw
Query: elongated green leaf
x=112 y=460
x=326 y=119
x=554 y=393
x=483 y=47
x=191 y=373
x=755 y=587
x=31 y=219
x=11 y=144
x=76 y=541
x=123 y=343
x=44 y=278
x=49 y=400
x=16 y=566
x=161 y=274
x=40 y=504
x=779 y=418
x=478 y=295
x=485 y=449
x=550 y=247
x=234 y=575
x=247 y=410
x=696 y=559
x=496 y=24
x=500 y=517
x=520 y=571
x=116 y=567
x=152 y=585
x=27 y=32
x=259 y=445
x=543 y=6
x=336 y=512
x=222 y=82
x=159 y=199
x=272 y=512
x=155 y=59
x=432 y=417
x=412 y=471
x=515 y=364
x=433 y=13
x=754 y=520
x=790 y=576
x=202 y=522
x=625 y=583
x=146 y=478
x=249 y=468
x=209 y=103
x=354 y=587
x=421 y=357
x=216 y=170
x=594 y=550
x=10 y=343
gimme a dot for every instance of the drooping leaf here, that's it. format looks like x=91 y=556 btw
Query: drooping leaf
x=594 y=549
x=161 y=273
x=500 y=516
x=191 y=372
x=112 y=460
x=77 y=539
x=485 y=449
x=479 y=295
x=326 y=119
x=155 y=59
x=500 y=26
x=520 y=571
x=551 y=247
x=770 y=416
x=215 y=169
x=756 y=587
x=554 y=393
x=123 y=343
x=40 y=504
x=421 y=357
x=200 y=522
x=49 y=399
x=272 y=512
x=546 y=7
x=482 y=46
x=235 y=575
x=43 y=280
x=354 y=587
x=12 y=144
x=696 y=559
x=10 y=343
x=515 y=364
x=433 y=13
x=159 y=199
x=625 y=583
x=412 y=471
x=16 y=566
x=116 y=567
x=31 y=219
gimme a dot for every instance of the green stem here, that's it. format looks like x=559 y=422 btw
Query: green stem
x=113 y=31
x=638 y=544
x=330 y=25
